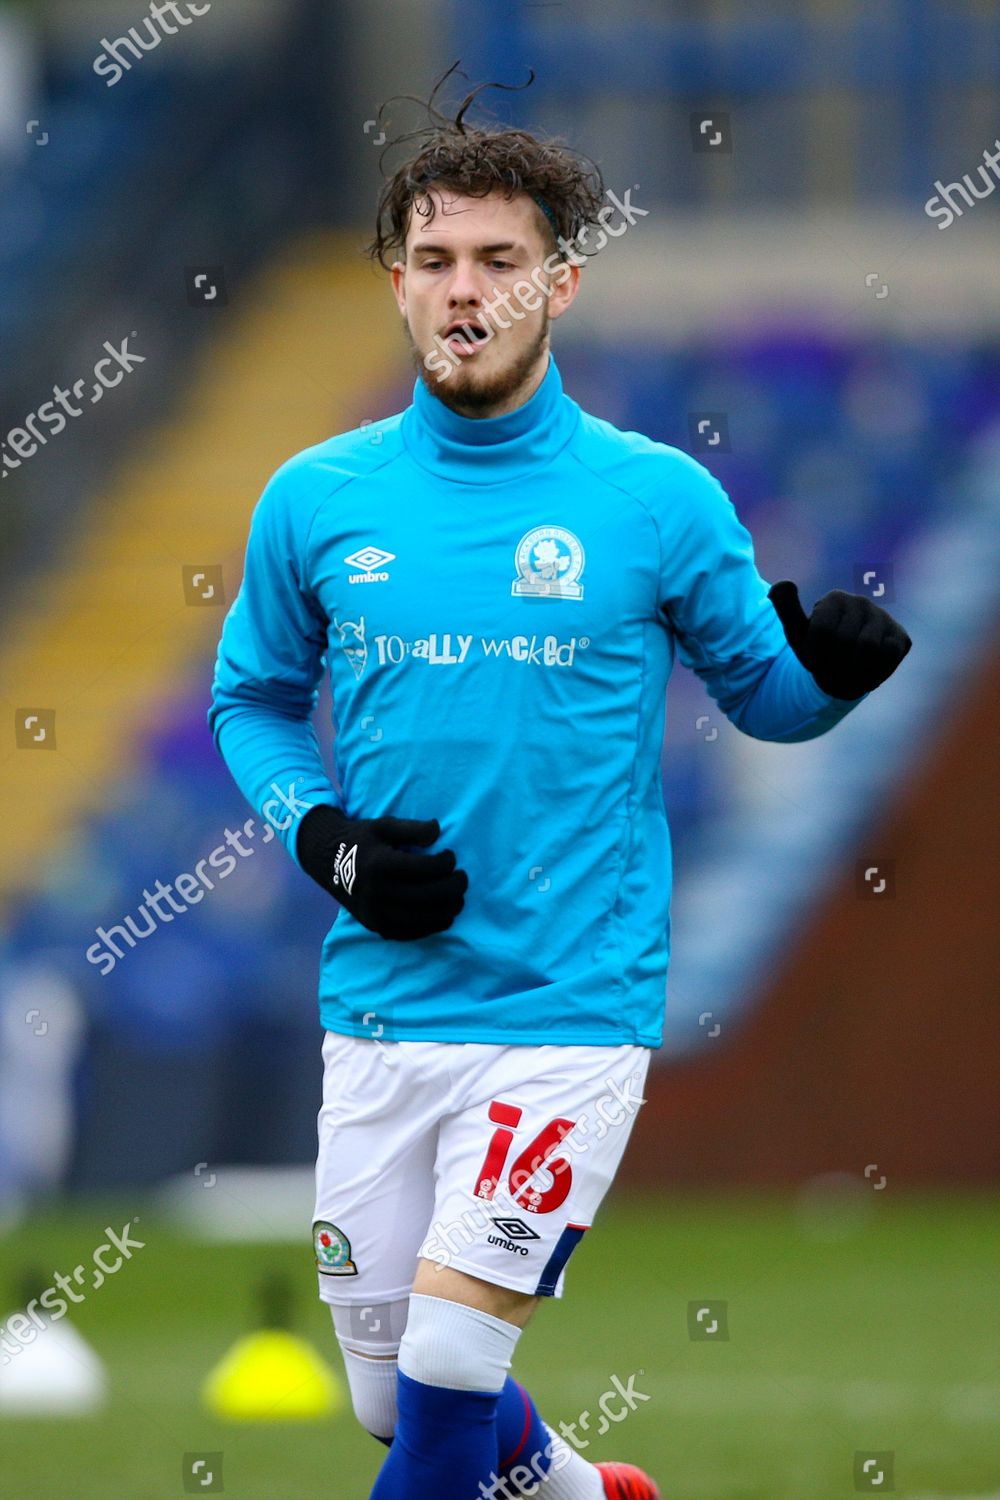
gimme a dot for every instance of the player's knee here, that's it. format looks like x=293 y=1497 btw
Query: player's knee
x=456 y=1346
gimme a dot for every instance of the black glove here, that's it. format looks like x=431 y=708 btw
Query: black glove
x=849 y=644
x=390 y=891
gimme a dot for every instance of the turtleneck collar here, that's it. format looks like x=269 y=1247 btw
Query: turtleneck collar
x=490 y=450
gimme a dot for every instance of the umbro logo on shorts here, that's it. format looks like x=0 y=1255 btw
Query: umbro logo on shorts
x=512 y=1229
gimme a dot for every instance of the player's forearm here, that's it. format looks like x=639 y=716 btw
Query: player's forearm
x=275 y=761
x=786 y=705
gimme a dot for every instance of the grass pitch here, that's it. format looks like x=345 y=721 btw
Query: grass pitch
x=884 y=1341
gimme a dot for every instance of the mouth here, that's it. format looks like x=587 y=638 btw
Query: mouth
x=464 y=336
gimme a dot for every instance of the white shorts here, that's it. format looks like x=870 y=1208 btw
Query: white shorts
x=491 y=1158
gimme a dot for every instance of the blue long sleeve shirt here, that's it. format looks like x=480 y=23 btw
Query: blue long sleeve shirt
x=500 y=602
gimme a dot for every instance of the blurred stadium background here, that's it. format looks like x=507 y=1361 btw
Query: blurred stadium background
x=820 y=1147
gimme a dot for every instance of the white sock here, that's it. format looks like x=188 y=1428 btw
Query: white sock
x=373 y=1391
x=372 y=1381
x=570 y=1476
x=458 y=1347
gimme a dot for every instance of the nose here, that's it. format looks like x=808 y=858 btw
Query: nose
x=466 y=290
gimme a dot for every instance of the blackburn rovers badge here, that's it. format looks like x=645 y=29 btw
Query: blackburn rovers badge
x=333 y=1250
x=549 y=561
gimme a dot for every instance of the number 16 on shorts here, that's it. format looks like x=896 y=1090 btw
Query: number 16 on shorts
x=537 y=1153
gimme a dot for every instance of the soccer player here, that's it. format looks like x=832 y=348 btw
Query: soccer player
x=499 y=583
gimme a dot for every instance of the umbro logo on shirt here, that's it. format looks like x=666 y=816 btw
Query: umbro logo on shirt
x=371 y=561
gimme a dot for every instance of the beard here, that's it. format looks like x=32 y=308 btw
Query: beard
x=466 y=391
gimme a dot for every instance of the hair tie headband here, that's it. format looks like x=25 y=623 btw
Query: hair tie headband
x=546 y=210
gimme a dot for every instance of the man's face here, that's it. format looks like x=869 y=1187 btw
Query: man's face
x=460 y=258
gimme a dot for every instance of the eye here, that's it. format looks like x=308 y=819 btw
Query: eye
x=504 y=265
x=429 y=265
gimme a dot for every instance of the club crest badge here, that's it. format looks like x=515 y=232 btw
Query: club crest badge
x=333 y=1250
x=549 y=561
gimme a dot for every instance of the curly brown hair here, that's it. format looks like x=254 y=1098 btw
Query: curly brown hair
x=475 y=160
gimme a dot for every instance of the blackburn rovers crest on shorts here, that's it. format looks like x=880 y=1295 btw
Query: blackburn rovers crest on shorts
x=333 y=1250
x=549 y=561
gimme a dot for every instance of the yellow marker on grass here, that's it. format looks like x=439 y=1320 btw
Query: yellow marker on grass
x=273 y=1375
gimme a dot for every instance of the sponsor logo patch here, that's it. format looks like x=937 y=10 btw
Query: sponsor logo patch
x=352 y=642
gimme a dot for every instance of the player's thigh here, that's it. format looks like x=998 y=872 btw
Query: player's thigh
x=435 y=1280
x=377 y=1133
x=524 y=1164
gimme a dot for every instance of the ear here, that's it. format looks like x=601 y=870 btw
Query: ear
x=397 y=275
x=565 y=285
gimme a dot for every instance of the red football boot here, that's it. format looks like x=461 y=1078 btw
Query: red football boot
x=626 y=1482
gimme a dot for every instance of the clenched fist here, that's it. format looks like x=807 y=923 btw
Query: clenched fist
x=390 y=890
x=849 y=644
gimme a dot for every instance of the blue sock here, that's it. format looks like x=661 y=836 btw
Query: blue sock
x=445 y=1443
x=521 y=1436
